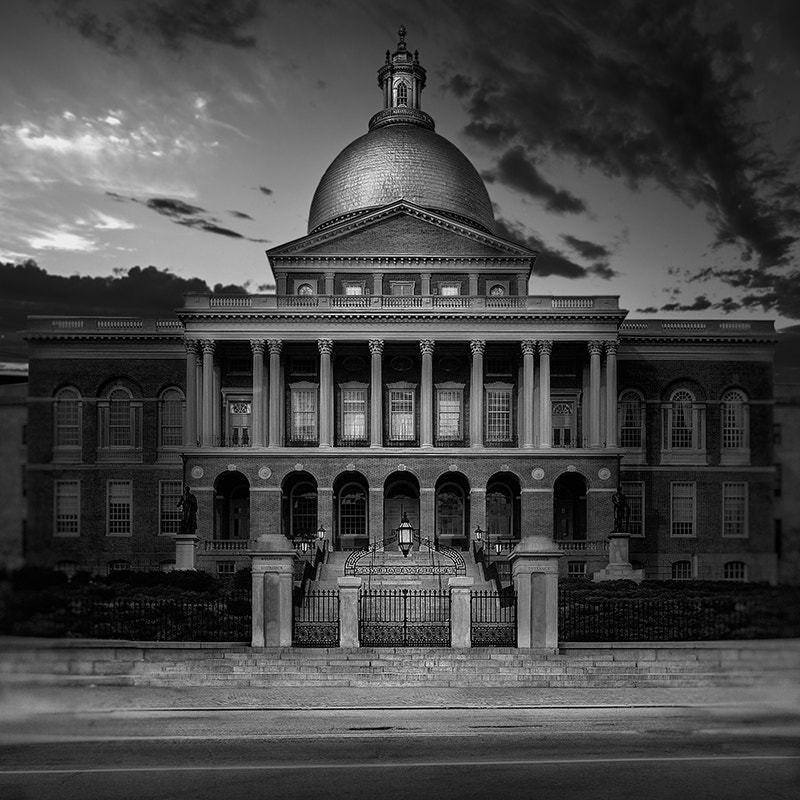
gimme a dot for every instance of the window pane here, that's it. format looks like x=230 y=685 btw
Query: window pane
x=119 y=419
x=449 y=289
x=304 y=415
x=682 y=571
x=171 y=419
x=734 y=571
x=733 y=424
x=67 y=501
x=401 y=414
x=634 y=491
x=498 y=415
x=304 y=511
x=169 y=513
x=353 y=512
x=682 y=503
x=448 y=423
x=734 y=509
x=630 y=434
x=681 y=435
x=354 y=414
x=68 y=418
x=449 y=512
x=119 y=508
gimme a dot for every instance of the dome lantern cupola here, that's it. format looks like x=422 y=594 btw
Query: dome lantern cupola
x=401 y=80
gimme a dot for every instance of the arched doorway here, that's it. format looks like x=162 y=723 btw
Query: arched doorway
x=503 y=509
x=300 y=506
x=452 y=511
x=231 y=506
x=569 y=507
x=351 y=511
x=400 y=496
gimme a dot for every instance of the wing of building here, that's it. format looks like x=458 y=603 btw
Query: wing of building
x=402 y=368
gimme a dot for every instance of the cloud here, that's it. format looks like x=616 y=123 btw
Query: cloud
x=587 y=249
x=171 y=24
x=550 y=261
x=240 y=215
x=642 y=91
x=517 y=170
x=265 y=190
x=62 y=240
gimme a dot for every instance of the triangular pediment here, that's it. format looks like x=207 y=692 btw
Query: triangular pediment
x=401 y=229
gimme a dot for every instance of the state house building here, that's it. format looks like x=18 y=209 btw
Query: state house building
x=402 y=367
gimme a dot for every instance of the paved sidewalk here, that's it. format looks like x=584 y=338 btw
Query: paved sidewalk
x=26 y=700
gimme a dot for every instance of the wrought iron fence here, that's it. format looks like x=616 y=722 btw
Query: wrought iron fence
x=493 y=618
x=316 y=619
x=404 y=617
x=631 y=619
x=136 y=618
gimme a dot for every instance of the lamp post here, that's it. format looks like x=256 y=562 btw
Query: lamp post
x=321 y=533
x=405 y=535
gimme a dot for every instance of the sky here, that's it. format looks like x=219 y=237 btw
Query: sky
x=154 y=147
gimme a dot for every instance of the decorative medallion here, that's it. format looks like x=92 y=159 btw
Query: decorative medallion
x=453 y=467
x=351 y=467
x=504 y=468
x=537 y=474
x=570 y=468
x=231 y=467
x=401 y=363
x=197 y=472
x=402 y=467
x=298 y=467
x=604 y=474
x=449 y=364
x=353 y=363
x=265 y=473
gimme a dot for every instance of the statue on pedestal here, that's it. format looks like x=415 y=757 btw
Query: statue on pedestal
x=621 y=510
x=188 y=506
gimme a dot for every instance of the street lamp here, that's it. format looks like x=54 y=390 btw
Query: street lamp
x=498 y=547
x=321 y=532
x=405 y=534
x=478 y=534
x=304 y=545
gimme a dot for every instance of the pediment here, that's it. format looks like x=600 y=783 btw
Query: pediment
x=401 y=229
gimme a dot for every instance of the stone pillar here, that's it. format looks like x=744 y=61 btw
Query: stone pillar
x=275 y=347
x=427 y=513
x=198 y=409
x=522 y=284
x=216 y=406
x=595 y=349
x=426 y=393
x=186 y=551
x=349 y=588
x=545 y=405
x=375 y=515
x=611 y=394
x=460 y=612
x=425 y=283
x=528 y=350
x=190 y=425
x=376 y=393
x=473 y=284
x=477 y=346
x=273 y=578
x=325 y=507
x=534 y=567
x=209 y=345
x=329 y=287
x=257 y=346
x=325 y=393
x=477 y=511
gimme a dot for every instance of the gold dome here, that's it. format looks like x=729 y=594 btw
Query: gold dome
x=401 y=161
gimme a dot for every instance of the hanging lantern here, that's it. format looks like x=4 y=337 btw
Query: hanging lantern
x=405 y=535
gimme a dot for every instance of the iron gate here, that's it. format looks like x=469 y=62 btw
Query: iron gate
x=404 y=617
x=493 y=618
x=316 y=619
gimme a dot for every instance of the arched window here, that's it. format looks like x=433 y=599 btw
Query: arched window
x=631 y=420
x=497 y=290
x=352 y=511
x=305 y=288
x=734 y=571
x=67 y=415
x=735 y=427
x=402 y=93
x=303 y=511
x=170 y=416
x=684 y=429
x=120 y=425
x=681 y=570
x=450 y=511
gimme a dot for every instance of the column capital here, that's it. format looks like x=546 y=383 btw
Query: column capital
x=209 y=346
x=611 y=348
x=595 y=347
x=191 y=346
x=528 y=347
x=426 y=346
x=325 y=346
x=545 y=347
x=275 y=346
x=257 y=346
x=376 y=347
x=477 y=347
x=328 y=275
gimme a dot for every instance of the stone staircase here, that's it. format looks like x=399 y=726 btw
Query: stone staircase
x=671 y=665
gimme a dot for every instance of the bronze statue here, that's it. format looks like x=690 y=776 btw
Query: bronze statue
x=188 y=505
x=621 y=510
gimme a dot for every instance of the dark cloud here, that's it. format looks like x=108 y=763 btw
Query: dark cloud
x=701 y=303
x=773 y=290
x=265 y=190
x=170 y=207
x=240 y=215
x=549 y=261
x=643 y=91
x=172 y=24
x=516 y=169
x=587 y=249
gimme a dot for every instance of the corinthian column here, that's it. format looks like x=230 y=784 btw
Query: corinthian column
x=545 y=405
x=478 y=347
x=528 y=350
x=208 y=345
x=190 y=426
x=257 y=346
x=376 y=393
x=426 y=394
x=611 y=394
x=275 y=347
x=595 y=348
x=325 y=393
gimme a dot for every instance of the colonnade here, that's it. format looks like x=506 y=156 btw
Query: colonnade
x=202 y=422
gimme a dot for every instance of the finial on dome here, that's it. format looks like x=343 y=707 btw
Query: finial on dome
x=388 y=57
x=401 y=45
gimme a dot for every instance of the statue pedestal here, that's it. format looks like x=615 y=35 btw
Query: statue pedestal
x=619 y=567
x=186 y=550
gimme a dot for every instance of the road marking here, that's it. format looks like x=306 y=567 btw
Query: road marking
x=526 y=762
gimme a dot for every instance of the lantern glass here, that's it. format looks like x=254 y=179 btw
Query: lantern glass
x=405 y=535
x=321 y=532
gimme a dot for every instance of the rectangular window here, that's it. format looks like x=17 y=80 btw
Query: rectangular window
x=403 y=288
x=734 y=509
x=226 y=569
x=449 y=289
x=682 y=508
x=401 y=415
x=68 y=423
x=68 y=508
x=119 y=507
x=172 y=421
x=576 y=569
x=169 y=515
x=303 y=365
x=354 y=415
x=304 y=414
x=354 y=288
x=498 y=415
x=448 y=414
x=563 y=424
x=498 y=366
x=634 y=491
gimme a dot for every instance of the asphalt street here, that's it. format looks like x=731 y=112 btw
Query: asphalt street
x=138 y=750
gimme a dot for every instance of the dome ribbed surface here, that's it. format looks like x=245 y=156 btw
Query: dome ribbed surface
x=401 y=162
